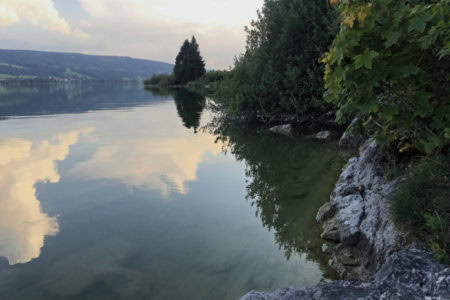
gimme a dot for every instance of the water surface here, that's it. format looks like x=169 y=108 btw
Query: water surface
x=114 y=192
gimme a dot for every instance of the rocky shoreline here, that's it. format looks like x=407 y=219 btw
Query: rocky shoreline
x=365 y=247
x=356 y=221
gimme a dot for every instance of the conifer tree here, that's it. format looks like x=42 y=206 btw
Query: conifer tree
x=197 y=65
x=180 y=69
x=189 y=64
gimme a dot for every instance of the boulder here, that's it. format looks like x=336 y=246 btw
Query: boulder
x=282 y=129
x=324 y=135
x=326 y=211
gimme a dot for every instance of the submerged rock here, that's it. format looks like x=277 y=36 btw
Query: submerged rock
x=324 y=135
x=409 y=274
x=282 y=129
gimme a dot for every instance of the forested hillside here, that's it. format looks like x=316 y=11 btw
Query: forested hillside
x=31 y=64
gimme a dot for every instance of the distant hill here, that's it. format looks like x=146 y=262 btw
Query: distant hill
x=37 y=64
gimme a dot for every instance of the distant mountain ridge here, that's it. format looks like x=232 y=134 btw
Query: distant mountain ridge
x=25 y=64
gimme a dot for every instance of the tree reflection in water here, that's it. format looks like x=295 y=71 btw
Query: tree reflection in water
x=189 y=104
x=288 y=180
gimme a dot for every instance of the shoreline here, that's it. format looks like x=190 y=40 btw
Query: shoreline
x=365 y=247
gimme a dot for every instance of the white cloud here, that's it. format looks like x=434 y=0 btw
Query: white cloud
x=155 y=29
x=230 y=13
x=38 y=12
x=149 y=29
x=23 y=226
x=8 y=15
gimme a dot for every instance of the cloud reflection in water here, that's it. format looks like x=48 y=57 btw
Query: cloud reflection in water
x=164 y=164
x=23 y=225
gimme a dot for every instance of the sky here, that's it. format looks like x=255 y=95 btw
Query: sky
x=149 y=29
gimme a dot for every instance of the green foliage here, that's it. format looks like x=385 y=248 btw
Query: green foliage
x=422 y=205
x=279 y=72
x=208 y=82
x=390 y=65
x=163 y=80
x=189 y=64
x=214 y=76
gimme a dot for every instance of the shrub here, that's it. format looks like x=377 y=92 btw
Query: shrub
x=390 y=65
x=422 y=205
x=279 y=72
x=163 y=80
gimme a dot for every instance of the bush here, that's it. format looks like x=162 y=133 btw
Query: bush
x=214 y=76
x=279 y=72
x=390 y=65
x=422 y=205
x=163 y=80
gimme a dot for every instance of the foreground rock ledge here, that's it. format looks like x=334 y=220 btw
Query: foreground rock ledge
x=356 y=221
x=364 y=245
x=408 y=274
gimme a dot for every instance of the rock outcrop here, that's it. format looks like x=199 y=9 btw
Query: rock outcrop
x=356 y=221
x=409 y=274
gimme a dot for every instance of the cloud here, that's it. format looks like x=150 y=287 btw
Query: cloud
x=38 y=12
x=155 y=29
x=230 y=13
x=149 y=29
x=23 y=226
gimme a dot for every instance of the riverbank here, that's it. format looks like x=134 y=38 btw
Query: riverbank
x=365 y=246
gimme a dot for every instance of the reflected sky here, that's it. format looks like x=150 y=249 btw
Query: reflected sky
x=148 y=161
x=23 y=225
x=132 y=201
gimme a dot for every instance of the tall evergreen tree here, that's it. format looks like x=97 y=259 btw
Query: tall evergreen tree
x=197 y=65
x=181 y=62
x=189 y=64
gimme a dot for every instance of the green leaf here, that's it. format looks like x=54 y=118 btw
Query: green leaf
x=365 y=59
x=391 y=38
x=340 y=73
x=431 y=144
x=426 y=41
x=409 y=69
x=388 y=112
x=422 y=104
x=447 y=133
x=419 y=23
x=369 y=105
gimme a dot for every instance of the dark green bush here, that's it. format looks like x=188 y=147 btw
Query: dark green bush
x=163 y=80
x=279 y=72
x=422 y=205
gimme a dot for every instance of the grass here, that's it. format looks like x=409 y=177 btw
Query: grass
x=12 y=66
x=422 y=205
x=6 y=76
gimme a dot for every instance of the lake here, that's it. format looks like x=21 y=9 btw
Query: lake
x=116 y=192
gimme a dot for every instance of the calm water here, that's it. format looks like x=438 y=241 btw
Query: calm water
x=117 y=193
